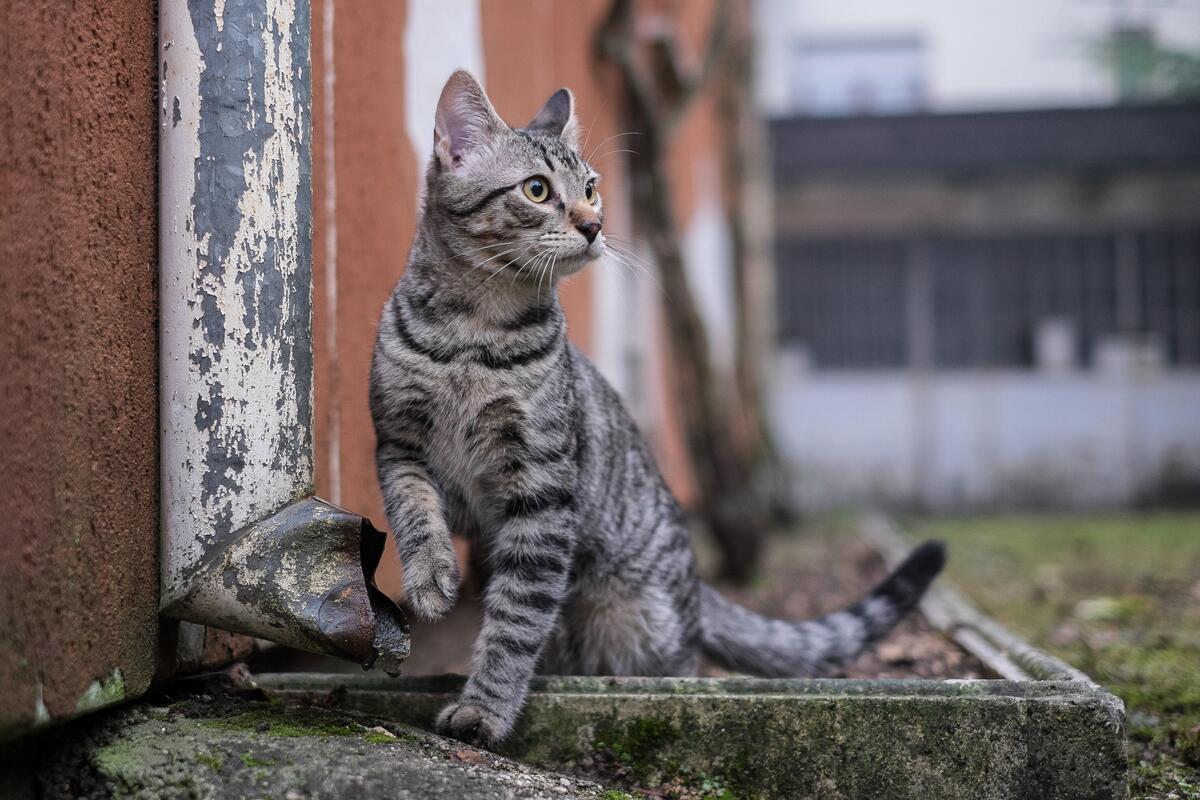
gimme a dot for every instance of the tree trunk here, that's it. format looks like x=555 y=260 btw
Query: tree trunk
x=747 y=159
x=723 y=464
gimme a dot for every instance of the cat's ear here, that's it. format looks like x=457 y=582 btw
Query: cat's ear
x=557 y=118
x=464 y=121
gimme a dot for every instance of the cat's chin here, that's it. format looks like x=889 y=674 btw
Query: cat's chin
x=569 y=265
x=596 y=249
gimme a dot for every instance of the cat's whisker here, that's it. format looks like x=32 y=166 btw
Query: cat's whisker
x=624 y=246
x=511 y=255
x=635 y=267
x=530 y=265
x=547 y=272
x=510 y=248
x=506 y=265
x=608 y=153
x=540 y=274
x=537 y=272
x=512 y=258
x=592 y=124
x=616 y=242
x=471 y=251
x=609 y=139
x=500 y=269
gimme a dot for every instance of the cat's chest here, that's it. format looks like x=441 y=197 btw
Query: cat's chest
x=473 y=407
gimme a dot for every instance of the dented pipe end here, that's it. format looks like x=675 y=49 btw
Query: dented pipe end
x=302 y=577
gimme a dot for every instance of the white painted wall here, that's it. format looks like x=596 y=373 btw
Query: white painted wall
x=981 y=53
x=707 y=246
x=971 y=439
x=440 y=37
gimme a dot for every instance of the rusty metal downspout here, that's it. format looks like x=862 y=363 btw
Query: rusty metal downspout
x=245 y=545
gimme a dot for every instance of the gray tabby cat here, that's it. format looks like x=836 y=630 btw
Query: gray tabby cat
x=489 y=423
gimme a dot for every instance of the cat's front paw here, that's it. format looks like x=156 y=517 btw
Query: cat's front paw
x=472 y=724
x=431 y=581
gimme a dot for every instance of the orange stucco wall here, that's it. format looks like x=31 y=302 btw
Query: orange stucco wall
x=78 y=343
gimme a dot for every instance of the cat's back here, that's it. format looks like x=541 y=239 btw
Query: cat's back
x=617 y=467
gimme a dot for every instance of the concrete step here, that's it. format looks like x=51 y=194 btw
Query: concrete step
x=829 y=739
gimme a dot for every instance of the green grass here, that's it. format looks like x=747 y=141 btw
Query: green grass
x=213 y=762
x=252 y=761
x=1117 y=596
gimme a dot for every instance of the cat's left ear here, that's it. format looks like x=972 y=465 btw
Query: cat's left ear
x=557 y=118
x=464 y=122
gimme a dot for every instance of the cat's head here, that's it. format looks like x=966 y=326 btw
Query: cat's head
x=522 y=197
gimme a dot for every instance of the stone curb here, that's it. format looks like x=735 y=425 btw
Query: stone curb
x=852 y=739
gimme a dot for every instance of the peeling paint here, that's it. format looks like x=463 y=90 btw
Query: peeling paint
x=237 y=364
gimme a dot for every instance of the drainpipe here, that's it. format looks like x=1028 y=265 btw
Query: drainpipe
x=245 y=545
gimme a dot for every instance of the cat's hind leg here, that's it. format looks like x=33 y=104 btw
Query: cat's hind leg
x=613 y=629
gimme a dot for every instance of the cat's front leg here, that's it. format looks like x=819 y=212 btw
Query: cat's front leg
x=530 y=560
x=414 y=511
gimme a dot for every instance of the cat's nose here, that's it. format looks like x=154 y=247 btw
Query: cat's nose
x=589 y=230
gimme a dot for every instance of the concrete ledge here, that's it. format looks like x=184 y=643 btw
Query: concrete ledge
x=797 y=738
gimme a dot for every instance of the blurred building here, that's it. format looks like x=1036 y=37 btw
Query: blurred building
x=826 y=57
x=982 y=307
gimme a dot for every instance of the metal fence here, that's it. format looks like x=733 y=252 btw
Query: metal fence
x=956 y=302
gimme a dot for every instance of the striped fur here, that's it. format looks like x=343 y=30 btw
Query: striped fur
x=489 y=423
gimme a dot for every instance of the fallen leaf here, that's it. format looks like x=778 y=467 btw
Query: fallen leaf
x=470 y=756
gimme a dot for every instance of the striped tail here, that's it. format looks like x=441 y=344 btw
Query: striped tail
x=742 y=641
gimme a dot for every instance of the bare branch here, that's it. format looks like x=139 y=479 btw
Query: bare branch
x=718 y=34
x=680 y=89
x=614 y=43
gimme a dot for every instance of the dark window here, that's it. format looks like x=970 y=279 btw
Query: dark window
x=849 y=301
x=844 y=300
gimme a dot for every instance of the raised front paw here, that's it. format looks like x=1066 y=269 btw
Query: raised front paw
x=431 y=579
x=472 y=724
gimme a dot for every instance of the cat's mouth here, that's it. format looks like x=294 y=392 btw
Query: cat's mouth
x=560 y=261
x=570 y=263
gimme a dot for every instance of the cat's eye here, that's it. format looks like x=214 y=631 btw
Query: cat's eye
x=590 y=193
x=536 y=189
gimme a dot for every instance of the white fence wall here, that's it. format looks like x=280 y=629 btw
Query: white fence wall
x=973 y=439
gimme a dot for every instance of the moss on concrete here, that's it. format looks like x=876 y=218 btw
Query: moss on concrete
x=285 y=721
x=253 y=761
x=210 y=761
x=640 y=744
x=230 y=748
x=102 y=693
x=797 y=739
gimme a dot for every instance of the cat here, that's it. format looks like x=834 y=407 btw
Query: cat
x=489 y=423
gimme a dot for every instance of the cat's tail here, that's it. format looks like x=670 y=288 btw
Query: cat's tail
x=742 y=641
